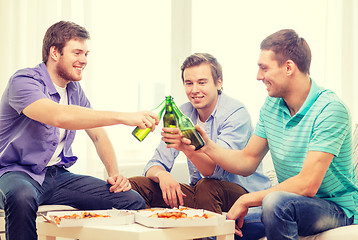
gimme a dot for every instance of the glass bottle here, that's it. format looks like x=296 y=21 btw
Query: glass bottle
x=187 y=128
x=169 y=119
x=140 y=133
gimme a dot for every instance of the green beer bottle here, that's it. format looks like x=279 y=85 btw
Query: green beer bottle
x=187 y=128
x=169 y=116
x=139 y=133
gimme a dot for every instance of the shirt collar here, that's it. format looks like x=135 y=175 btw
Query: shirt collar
x=216 y=106
x=47 y=79
x=314 y=93
x=195 y=114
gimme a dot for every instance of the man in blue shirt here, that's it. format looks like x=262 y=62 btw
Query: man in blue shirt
x=40 y=110
x=308 y=132
x=228 y=124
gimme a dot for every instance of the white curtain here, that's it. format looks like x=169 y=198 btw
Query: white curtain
x=136 y=54
x=23 y=24
x=341 y=52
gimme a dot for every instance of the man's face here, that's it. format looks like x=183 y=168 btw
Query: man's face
x=200 y=87
x=271 y=74
x=72 y=62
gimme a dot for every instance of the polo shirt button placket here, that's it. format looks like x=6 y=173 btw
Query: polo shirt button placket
x=207 y=131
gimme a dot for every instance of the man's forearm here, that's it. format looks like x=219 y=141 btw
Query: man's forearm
x=229 y=159
x=75 y=118
x=104 y=150
x=202 y=162
x=69 y=116
x=154 y=172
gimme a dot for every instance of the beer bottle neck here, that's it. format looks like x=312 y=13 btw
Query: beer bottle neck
x=183 y=121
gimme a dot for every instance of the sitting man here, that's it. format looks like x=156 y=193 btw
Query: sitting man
x=228 y=122
x=40 y=110
x=308 y=131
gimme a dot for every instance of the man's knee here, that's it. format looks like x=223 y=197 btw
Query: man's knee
x=276 y=202
x=20 y=202
x=21 y=195
x=130 y=200
x=139 y=182
x=208 y=190
x=207 y=185
x=207 y=195
x=277 y=198
x=16 y=188
x=137 y=200
x=149 y=190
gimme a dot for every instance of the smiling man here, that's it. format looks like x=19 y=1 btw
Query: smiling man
x=40 y=110
x=307 y=129
x=228 y=124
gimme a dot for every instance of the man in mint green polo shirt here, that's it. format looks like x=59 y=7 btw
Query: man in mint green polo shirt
x=308 y=132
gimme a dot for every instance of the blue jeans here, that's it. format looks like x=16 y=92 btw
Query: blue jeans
x=288 y=215
x=21 y=196
x=252 y=228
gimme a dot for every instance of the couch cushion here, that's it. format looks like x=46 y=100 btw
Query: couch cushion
x=341 y=233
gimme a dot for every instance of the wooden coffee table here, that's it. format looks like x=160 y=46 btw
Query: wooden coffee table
x=135 y=231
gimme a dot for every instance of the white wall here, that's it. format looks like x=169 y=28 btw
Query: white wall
x=137 y=48
x=233 y=30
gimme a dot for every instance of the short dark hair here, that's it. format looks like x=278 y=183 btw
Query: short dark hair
x=287 y=45
x=59 y=34
x=197 y=59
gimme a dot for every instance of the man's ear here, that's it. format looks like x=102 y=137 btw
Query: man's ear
x=54 y=53
x=290 y=67
x=219 y=84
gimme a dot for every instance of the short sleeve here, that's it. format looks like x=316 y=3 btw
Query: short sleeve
x=330 y=129
x=24 y=90
x=260 y=126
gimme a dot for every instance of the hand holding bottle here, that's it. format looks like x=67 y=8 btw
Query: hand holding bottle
x=187 y=128
x=204 y=136
x=173 y=117
x=140 y=132
x=143 y=119
x=174 y=139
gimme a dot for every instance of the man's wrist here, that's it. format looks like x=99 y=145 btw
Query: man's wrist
x=161 y=173
x=113 y=174
x=209 y=147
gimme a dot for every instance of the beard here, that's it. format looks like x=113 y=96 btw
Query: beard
x=66 y=74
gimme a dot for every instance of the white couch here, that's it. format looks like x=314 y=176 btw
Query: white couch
x=341 y=233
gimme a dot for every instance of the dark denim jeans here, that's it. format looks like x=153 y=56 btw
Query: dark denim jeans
x=21 y=196
x=253 y=228
x=288 y=215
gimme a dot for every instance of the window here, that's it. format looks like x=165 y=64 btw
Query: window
x=129 y=70
x=233 y=30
